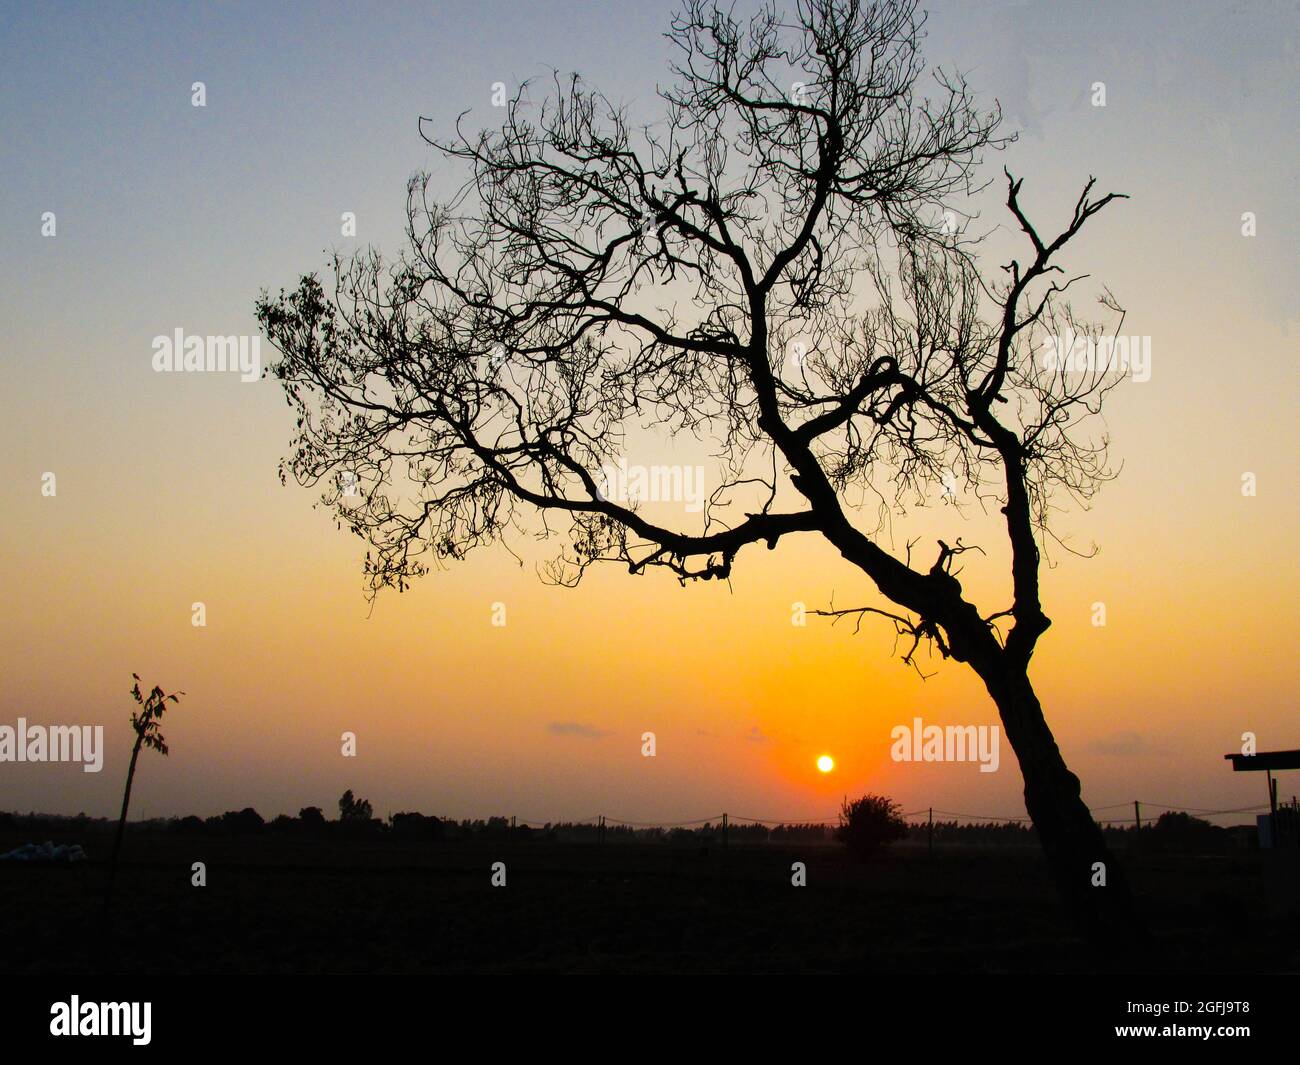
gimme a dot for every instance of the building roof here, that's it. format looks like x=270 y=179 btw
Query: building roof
x=1245 y=763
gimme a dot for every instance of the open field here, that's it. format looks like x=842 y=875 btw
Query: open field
x=278 y=903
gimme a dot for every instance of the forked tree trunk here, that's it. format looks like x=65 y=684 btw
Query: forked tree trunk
x=1072 y=841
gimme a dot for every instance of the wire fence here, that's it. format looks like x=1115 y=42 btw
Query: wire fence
x=927 y=815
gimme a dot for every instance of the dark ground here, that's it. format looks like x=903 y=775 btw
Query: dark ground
x=276 y=903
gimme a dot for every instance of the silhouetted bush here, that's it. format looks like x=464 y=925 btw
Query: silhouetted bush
x=1184 y=833
x=242 y=822
x=416 y=826
x=869 y=824
x=311 y=816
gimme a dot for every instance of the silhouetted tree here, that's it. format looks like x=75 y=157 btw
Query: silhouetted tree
x=312 y=816
x=869 y=824
x=148 y=733
x=802 y=188
x=351 y=809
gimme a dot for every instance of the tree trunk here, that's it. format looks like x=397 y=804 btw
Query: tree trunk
x=121 y=824
x=1072 y=841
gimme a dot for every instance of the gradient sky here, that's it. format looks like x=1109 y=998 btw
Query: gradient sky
x=174 y=216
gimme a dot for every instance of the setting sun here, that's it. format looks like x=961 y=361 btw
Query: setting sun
x=825 y=763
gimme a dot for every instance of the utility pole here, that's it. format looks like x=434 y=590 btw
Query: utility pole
x=724 y=831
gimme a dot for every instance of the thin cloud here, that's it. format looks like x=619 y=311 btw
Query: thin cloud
x=576 y=728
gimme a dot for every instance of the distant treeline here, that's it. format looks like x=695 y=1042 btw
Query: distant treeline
x=1172 y=832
